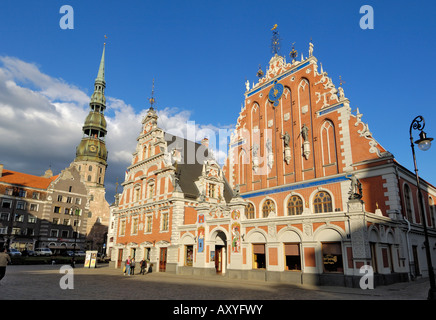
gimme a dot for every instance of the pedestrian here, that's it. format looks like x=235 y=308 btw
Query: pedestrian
x=143 y=265
x=127 y=267
x=4 y=260
x=132 y=266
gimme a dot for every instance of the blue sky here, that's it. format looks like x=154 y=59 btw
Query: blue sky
x=200 y=54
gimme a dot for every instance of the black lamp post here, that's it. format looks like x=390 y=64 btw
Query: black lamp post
x=424 y=144
x=76 y=214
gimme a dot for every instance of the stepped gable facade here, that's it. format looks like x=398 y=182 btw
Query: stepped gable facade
x=306 y=195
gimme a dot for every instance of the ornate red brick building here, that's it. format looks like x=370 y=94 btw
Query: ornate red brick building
x=315 y=197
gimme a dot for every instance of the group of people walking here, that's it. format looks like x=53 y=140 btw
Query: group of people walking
x=129 y=268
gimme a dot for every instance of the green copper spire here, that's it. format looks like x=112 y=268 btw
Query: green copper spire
x=100 y=76
x=99 y=85
x=92 y=148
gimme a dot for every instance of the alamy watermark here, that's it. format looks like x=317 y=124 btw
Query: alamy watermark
x=367 y=20
x=367 y=280
x=67 y=280
x=67 y=20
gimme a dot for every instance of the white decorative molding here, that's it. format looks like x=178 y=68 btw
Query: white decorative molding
x=364 y=132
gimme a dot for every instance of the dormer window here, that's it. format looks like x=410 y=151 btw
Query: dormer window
x=212 y=190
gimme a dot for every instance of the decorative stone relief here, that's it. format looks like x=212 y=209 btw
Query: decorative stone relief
x=364 y=132
x=286 y=116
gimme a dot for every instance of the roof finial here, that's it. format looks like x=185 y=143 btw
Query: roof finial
x=275 y=41
x=293 y=54
x=259 y=72
x=152 y=100
x=340 y=81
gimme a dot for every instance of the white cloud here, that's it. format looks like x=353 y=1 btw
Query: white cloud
x=42 y=117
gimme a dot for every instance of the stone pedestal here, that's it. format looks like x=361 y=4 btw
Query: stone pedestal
x=358 y=233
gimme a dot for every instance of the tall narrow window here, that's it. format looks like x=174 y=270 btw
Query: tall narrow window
x=408 y=202
x=322 y=202
x=211 y=190
x=295 y=206
x=151 y=190
x=123 y=228
x=149 y=224
x=165 y=222
x=249 y=213
x=136 y=194
x=135 y=226
x=432 y=211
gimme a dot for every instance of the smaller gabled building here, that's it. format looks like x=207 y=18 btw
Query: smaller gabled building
x=43 y=212
x=169 y=185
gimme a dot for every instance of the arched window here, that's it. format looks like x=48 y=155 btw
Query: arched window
x=408 y=202
x=249 y=211
x=322 y=202
x=328 y=146
x=267 y=208
x=90 y=168
x=295 y=206
x=89 y=178
x=151 y=189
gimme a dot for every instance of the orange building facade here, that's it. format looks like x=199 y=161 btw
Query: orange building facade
x=306 y=195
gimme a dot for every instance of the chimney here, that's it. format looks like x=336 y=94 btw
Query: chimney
x=1 y=170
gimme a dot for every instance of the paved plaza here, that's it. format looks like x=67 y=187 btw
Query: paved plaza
x=45 y=282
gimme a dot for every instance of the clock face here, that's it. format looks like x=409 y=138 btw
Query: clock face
x=275 y=93
x=92 y=148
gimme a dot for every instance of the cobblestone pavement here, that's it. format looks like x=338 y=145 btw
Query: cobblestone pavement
x=42 y=282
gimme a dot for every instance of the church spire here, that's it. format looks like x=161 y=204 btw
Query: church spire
x=100 y=75
x=92 y=148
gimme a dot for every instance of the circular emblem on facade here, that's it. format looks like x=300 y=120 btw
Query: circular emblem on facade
x=275 y=93
x=92 y=148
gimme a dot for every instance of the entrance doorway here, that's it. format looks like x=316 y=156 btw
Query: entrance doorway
x=120 y=258
x=163 y=259
x=220 y=252
x=219 y=259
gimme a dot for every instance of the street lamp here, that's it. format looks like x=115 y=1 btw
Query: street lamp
x=424 y=143
x=76 y=212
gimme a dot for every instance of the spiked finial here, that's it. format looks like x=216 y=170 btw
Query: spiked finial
x=275 y=41
x=340 y=81
x=152 y=100
x=259 y=72
x=293 y=54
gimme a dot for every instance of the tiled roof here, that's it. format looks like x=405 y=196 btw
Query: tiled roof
x=25 y=180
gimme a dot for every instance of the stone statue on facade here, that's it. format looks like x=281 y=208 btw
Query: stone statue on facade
x=286 y=139
x=355 y=188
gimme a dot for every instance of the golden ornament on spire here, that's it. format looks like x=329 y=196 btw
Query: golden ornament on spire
x=275 y=27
